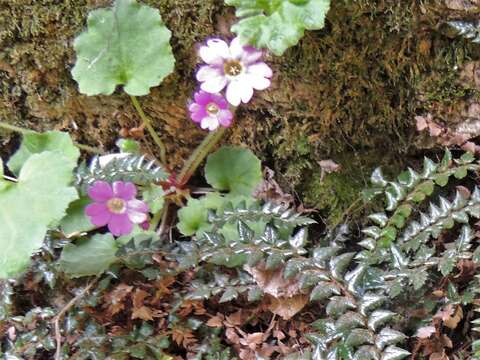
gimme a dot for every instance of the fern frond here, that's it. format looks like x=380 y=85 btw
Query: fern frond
x=409 y=189
x=355 y=300
x=440 y=217
x=133 y=168
x=469 y=30
x=278 y=215
x=138 y=252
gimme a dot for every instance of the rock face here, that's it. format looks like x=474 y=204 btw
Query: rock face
x=349 y=92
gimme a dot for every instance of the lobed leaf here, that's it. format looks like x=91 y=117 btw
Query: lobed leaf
x=127 y=45
x=28 y=207
x=277 y=24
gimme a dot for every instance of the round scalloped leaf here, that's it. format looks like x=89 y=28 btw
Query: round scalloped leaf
x=127 y=45
x=29 y=206
x=233 y=169
x=89 y=257
x=34 y=143
x=277 y=24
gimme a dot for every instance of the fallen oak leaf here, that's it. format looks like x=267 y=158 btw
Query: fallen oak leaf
x=216 y=321
x=115 y=300
x=252 y=340
x=287 y=308
x=273 y=282
x=140 y=311
x=143 y=313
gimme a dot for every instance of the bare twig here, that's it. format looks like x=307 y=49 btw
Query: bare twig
x=65 y=309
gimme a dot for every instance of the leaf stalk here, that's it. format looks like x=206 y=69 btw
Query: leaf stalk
x=148 y=124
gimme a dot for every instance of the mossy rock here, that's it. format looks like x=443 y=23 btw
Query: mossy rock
x=352 y=88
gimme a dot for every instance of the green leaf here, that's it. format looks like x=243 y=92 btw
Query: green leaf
x=447 y=262
x=154 y=197
x=89 y=257
x=193 y=218
x=418 y=278
x=255 y=293
x=128 y=146
x=446 y=160
x=461 y=172
x=30 y=206
x=76 y=220
x=233 y=169
x=467 y=158
x=426 y=187
x=277 y=24
x=377 y=178
x=35 y=143
x=441 y=179
x=418 y=196
x=230 y=294
x=389 y=234
x=127 y=45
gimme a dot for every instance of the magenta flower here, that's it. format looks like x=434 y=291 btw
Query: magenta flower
x=116 y=206
x=210 y=111
x=236 y=67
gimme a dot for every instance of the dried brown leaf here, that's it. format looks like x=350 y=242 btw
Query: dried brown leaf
x=216 y=321
x=286 y=308
x=274 y=283
x=425 y=332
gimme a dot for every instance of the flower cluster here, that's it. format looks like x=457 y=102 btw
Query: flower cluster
x=236 y=68
x=116 y=206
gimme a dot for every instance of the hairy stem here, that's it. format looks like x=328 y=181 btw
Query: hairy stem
x=199 y=155
x=151 y=130
x=24 y=131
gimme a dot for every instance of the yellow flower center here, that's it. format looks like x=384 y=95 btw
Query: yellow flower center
x=233 y=68
x=212 y=109
x=116 y=205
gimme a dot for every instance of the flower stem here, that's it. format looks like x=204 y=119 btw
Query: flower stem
x=151 y=130
x=199 y=155
x=25 y=131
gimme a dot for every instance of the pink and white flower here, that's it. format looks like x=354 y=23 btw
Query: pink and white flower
x=210 y=111
x=238 y=68
x=116 y=206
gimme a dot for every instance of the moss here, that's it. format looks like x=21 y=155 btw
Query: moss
x=333 y=195
x=352 y=88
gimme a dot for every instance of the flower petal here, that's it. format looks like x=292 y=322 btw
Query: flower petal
x=120 y=224
x=239 y=90
x=202 y=97
x=198 y=115
x=206 y=73
x=236 y=48
x=210 y=123
x=251 y=55
x=214 y=85
x=260 y=69
x=214 y=52
x=225 y=118
x=137 y=205
x=258 y=82
x=98 y=214
x=124 y=190
x=137 y=217
x=100 y=191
